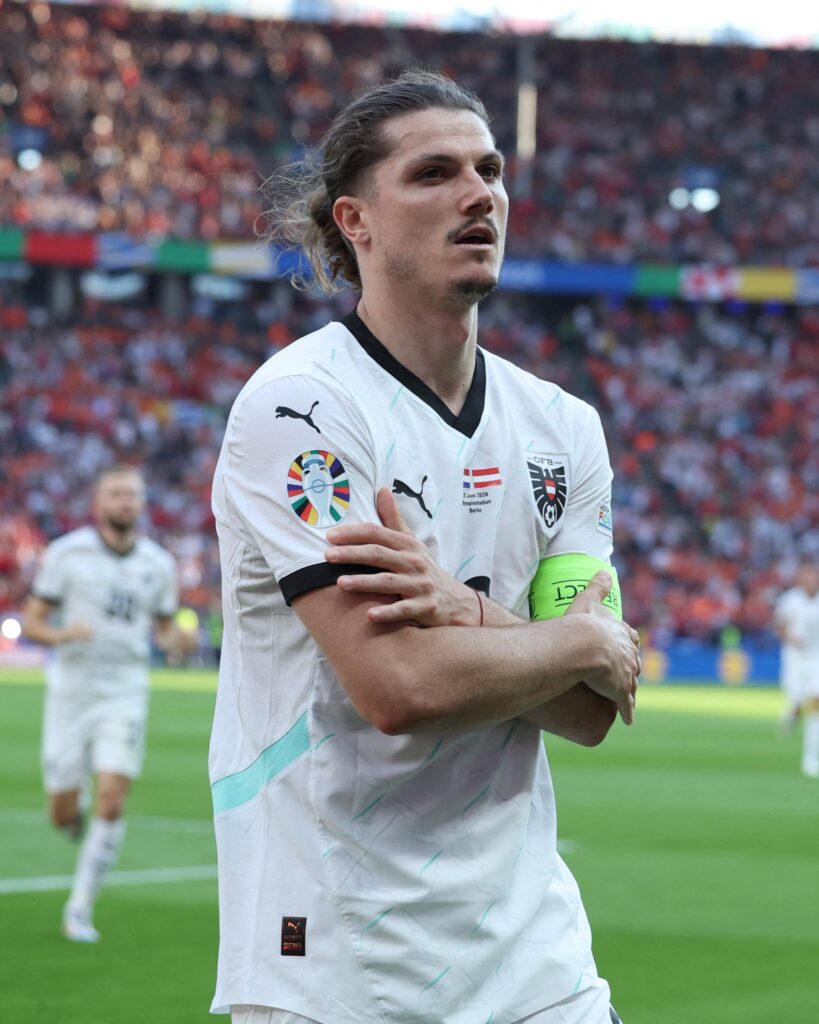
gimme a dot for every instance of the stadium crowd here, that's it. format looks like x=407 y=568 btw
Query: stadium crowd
x=163 y=124
x=712 y=417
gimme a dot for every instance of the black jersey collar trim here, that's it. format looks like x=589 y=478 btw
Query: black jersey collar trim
x=467 y=420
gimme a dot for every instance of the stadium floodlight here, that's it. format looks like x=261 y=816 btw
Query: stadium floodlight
x=527 y=120
x=29 y=159
x=679 y=198
x=705 y=199
x=11 y=628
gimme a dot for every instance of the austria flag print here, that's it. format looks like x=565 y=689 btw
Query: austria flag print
x=477 y=479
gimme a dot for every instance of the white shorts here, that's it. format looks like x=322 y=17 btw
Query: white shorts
x=800 y=676
x=591 y=1006
x=81 y=738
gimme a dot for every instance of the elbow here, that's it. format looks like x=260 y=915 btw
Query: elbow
x=597 y=730
x=398 y=716
x=592 y=739
x=392 y=723
x=397 y=706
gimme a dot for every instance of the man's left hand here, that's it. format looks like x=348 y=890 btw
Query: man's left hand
x=426 y=595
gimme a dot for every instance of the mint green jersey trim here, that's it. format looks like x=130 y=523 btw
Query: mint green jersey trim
x=238 y=789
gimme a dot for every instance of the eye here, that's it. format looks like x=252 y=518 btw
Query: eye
x=491 y=171
x=431 y=174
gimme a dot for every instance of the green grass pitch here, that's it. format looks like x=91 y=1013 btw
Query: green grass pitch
x=693 y=836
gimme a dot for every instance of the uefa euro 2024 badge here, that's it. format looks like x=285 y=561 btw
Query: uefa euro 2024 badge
x=318 y=488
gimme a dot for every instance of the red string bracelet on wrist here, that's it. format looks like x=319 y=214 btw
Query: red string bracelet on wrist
x=480 y=605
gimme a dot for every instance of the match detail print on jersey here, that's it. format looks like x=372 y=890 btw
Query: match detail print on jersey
x=318 y=488
x=478 y=485
x=547 y=474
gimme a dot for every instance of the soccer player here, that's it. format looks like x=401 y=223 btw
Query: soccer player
x=107 y=585
x=384 y=812
x=796 y=620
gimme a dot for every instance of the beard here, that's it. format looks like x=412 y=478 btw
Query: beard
x=121 y=524
x=469 y=291
x=462 y=294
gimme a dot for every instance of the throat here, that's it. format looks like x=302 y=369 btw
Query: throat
x=437 y=349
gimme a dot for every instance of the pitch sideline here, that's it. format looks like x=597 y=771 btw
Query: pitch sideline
x=152 y=876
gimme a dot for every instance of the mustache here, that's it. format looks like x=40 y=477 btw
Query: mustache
x=473 y=222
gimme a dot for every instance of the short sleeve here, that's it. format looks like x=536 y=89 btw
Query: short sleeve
x=49 y=583
x=168 y=598
x=297 y=459
x=587 y=526
x=783 y=608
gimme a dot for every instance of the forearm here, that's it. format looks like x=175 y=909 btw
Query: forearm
x=579 y=715
x=44 y=633
x=449 y=678
x=496 y=615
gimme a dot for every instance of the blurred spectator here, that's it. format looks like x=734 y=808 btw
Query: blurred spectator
x=164 y=124
x=712 y=416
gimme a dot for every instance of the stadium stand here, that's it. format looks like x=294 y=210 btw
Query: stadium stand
x=711 y=416
x=162 y=124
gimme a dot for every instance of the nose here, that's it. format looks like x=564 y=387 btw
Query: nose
x=477 y=196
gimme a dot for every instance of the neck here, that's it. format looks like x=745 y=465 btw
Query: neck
x=438 y=346
x=119 y=540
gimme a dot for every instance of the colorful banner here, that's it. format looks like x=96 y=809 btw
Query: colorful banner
x=254 y=261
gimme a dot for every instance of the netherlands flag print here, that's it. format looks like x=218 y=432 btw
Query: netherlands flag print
x=477 y=479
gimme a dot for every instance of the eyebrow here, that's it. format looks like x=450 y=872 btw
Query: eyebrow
x=493 y=156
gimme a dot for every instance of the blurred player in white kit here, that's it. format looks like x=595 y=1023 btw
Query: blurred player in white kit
x=99 y=592
x=796 y=618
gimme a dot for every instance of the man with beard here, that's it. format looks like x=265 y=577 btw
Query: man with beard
x=96 y=596
x=384 y=813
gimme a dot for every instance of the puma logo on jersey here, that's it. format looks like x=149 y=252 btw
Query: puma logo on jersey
x=399 y=487
x=294 y=933
x=282 y=410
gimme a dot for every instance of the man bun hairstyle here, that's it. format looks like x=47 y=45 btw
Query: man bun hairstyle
x=300 y=197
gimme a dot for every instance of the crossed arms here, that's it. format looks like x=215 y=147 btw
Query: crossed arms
x=408 y=649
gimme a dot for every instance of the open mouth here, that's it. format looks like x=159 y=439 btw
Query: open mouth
x=476 y=236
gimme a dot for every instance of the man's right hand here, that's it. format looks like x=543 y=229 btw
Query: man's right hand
x=619 y=643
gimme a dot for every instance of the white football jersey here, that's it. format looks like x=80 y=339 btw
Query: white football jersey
x=366 y=878
x=798 y=612
x=118 y=596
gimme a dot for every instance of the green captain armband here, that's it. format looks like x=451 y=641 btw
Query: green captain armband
x=560 y=579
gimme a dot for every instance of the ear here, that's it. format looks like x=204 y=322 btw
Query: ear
x=349 y=213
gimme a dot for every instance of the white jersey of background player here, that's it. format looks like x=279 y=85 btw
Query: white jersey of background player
x=98 y=593
x=796 y=618
x=384 y=813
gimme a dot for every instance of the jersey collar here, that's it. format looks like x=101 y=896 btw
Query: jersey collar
x=467 y=420
x=113 y=551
